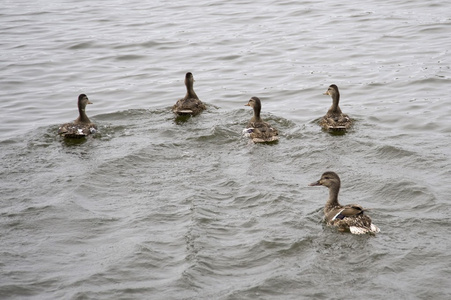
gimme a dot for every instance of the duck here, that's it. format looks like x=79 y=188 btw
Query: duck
x=335 y=120
x=190 y=104
x=347 y=218
x=258 y=130
x=82 y=126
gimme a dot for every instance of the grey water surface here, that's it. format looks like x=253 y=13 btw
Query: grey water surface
x=153 y=207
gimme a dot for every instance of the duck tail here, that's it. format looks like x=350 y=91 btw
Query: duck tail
x=374 y=228
x=358 y=230
x=362 y=230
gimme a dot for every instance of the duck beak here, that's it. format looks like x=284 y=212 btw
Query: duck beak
x=326 y=93
x=89 y=102
x=246 y=104
x=315 y=183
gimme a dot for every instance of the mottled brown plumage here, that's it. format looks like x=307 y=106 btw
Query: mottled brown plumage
x=190 y=104
x=349 y=217
x=258 y=130
x=82 y=126
x=335 y=120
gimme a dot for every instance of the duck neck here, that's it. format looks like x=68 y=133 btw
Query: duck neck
x=190 y=90
x=335 y=99
x=256 y=117
x=333 y=198
x=83 y=118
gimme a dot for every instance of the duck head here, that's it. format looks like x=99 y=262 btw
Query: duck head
x=189 y=79
x=83 y=101
x=189 y=83
x=328 y=179
x=332 y=91
x=255 y=103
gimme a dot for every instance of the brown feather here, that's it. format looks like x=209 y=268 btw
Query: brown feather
x=260 y=131
x=335 y=120
x=190 y=104
x=82 y=126
x=349 y=217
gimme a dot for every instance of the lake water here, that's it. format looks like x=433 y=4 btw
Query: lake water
x=155 y=208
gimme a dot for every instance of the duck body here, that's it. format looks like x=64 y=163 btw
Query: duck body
x=349 y=217
x=258 y=130
x=335 y=120
x=190 y=104
x=82 y=126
